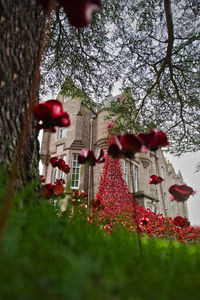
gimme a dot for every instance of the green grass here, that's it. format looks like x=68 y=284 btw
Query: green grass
x=46 y=257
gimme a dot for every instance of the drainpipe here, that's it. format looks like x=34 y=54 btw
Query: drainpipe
x=90 y=168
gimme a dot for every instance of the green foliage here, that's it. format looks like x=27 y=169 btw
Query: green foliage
x=46 y=256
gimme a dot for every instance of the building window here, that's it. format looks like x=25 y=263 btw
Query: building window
x=151 y=207
x=62 y=132
x=126 y=171
x=163 y=172
x=75 y=172
x=165 y=201
x=173 y=180
x=136 y=178
x=131 y=177
x=62 y=174
x=55 y=175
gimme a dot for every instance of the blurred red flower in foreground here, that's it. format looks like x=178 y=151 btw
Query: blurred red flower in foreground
x=154 y=139
x=154 y=179
x=181 y=222
x=87 y=156
x=180 y=192
x=48 y=189
x=127 y=145
x=54 y=189
x=42 y=178
x=79 y=12
x=82 y=195
x=60 y=163
x=51 y=114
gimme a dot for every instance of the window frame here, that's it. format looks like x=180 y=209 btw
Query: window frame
x=131 y=178
x=135 y=178
x=61 y=133
x=54 y=175
x=75 y=166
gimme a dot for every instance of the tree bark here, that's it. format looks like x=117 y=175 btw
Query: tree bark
x=22 y=24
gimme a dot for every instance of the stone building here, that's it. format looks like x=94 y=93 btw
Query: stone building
x=88 y=129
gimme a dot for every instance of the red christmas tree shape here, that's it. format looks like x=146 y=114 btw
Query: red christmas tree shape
x=113 y=192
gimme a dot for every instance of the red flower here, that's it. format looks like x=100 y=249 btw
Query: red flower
x=180 y=192
x=42 y=178
x=58 y=188
x=51 y=114
x=154 y=139
x=97 y=203
x=60 y=163
x=87 y=156
x=60 y=181
x=83 y=195
x=53 y=189
x=144 y=221
x=65 y=169
x=126 y=145
x=78 y=11
x=48 y=189
x=154 y=179
x=181 y=222
x=75 y=193
x=54 y=161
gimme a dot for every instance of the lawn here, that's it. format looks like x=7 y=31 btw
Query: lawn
x=44 y=256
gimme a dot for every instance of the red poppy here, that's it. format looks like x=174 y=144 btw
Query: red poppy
x=51 y=114
x=181 y=222
x=75 y=193
x=126 y=145
x=65 y=169
x=98 y=204
x=100 y=159
x=42 y=178
x=180 y=192
x=78 y=11
x=154 y=179
x=87 y=156
x=83 y=195
x=60 y=181
x=48 y=189
x=143 y=221
x=154 y=139
x=60 y=163
x=54 y=189
x=58 y=188
x=54 y=161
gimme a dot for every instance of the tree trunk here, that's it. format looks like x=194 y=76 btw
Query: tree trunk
x=21 y=23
